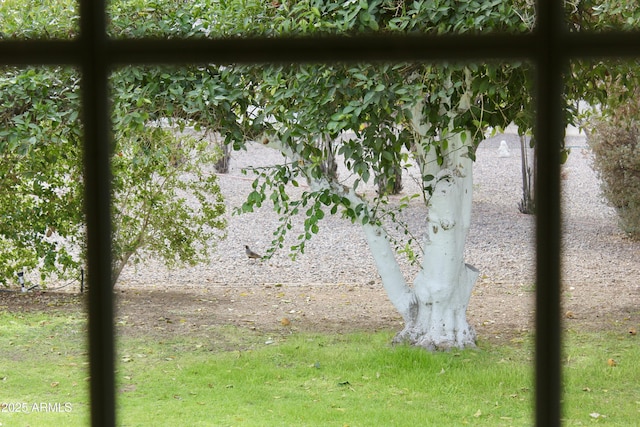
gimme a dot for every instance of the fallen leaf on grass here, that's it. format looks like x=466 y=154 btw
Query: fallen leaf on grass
x=597 y=415
x=55 y=384
x=128 y=388
x=478 y=413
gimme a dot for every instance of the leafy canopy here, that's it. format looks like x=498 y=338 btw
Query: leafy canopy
x=307 y=108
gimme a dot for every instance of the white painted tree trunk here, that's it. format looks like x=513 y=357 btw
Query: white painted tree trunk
x=434 y=308
x=443 y=287
x=435 y=313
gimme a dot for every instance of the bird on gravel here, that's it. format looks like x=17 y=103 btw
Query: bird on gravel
x=250 y=253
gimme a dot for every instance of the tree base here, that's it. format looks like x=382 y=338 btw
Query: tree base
x=437 y=341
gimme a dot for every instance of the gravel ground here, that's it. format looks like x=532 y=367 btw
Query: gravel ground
x=500 y=241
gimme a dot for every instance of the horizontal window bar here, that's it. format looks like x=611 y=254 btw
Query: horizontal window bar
x=323 y=49
x=327 y=49
x=601 y=45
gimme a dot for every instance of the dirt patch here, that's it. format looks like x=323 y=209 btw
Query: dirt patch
x=499 y=312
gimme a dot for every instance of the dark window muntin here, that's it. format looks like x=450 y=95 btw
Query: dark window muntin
x=550 y=48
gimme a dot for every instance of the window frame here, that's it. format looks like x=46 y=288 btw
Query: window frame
x=550 y=48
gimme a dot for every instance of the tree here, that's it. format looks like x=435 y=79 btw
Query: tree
x=165 y=201
x=615 y=142
x=611 y=118
x=162 y=120
x=434 y=114
x=40 y=173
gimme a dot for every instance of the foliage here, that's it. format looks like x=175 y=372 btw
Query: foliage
x=335 y=99
x=155 y=171
x=36 y=19
x=166 y=203
x=599 y=83
x=601 y=15
x=362 y=113
x=223 y=18
x=208 y=98
x=40 y=169
x=610 y=87
x=615 y=141
x=155 y=168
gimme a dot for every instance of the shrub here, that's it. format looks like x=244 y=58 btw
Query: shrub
x=615 y=142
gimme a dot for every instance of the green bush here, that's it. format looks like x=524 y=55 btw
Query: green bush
x=615 y=142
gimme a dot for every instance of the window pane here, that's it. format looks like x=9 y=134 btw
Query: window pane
x=221 y=18
x=353 y=126
x=42 y=248
x=41 y=172
x=34 y=19
x=602 y=15
x=601 y=186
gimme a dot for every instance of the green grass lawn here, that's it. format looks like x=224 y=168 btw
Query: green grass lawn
x=355 y=379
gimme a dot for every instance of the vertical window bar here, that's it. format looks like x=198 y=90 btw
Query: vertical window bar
x=97 y=182
x=549 y=134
